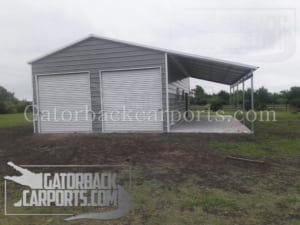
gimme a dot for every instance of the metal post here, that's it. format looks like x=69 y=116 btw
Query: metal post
x=244 y=110
x=252 y=104
x=233 y=96
x=229 y=95
x=237 y=96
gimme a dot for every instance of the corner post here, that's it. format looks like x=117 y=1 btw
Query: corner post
x=237 y=96
x=252 y=104
x=230 y=95
x=244 y=108
x=167 y=92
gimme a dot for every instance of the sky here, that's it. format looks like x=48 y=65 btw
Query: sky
x=261 y=33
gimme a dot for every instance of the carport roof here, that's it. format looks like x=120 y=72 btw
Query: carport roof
x=210 y=69
x=196 y=66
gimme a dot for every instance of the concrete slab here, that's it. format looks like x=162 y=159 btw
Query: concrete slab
x=212 y=124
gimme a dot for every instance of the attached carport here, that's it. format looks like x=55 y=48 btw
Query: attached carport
x=101 y=76
x=219 y=71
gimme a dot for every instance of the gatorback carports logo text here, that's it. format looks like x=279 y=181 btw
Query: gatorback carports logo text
x=98 y=190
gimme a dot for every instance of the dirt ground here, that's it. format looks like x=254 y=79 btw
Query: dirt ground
x=183 y=155
x=170 y=159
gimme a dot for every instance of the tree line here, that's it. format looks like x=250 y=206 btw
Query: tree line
x=262 y=97
x=10 y=104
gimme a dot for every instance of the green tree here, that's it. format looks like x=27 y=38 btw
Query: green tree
x=6 y=95
x=199 y=96
x=215 y=102
x=223 y=97
x=9 y=103
x=294 y=97
x=262 y=98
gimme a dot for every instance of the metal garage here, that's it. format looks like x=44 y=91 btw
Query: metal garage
x=102 y=75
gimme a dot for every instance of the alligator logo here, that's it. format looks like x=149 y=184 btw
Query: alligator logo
x=85 y=189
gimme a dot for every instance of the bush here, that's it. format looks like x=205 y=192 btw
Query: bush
x=2 y=108
x=295 y=103
x=261 y=106
x=216 y=103
x=21 y=105
x=11 y=107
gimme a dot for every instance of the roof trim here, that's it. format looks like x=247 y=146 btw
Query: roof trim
x=178 y=53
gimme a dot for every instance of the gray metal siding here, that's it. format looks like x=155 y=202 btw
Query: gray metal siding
x=96 y=54
x=176 y=80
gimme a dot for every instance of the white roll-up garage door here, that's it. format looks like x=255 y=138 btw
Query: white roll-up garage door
x=132 y=100
x=64 y=103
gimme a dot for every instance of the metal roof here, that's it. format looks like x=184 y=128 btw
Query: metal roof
x=213 y=70
x=196 y=66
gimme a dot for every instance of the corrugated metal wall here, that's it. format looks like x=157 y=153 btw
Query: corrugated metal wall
x=94 y=54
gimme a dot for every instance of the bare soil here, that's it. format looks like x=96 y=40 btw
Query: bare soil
x=181 y=156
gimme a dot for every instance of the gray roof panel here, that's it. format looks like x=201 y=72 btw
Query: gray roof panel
x=206 y=68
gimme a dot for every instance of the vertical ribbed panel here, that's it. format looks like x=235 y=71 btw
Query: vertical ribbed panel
x=63 y=100
x=134 y=91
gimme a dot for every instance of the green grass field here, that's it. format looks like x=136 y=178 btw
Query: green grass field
x=179 y=178
x=13 y=120
x=280 y=138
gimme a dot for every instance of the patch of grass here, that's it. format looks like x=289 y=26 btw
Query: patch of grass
x=13 y=120
x=272 y=147
x=213 y=201
x=287 y=116
x=208 y=200
x=155 y=202
x=189 y=203
x=280 y=138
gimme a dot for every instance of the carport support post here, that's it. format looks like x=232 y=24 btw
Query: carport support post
x=230 y=95
x=237 y=96
x=244 y=102
x=233 y=96
x=252 y=105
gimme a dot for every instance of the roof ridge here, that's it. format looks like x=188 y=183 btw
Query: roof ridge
x=179 y=53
